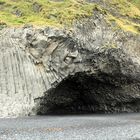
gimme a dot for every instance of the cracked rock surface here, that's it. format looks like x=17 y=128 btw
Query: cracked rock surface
x=50 y=70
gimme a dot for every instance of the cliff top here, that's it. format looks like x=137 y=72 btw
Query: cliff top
x=124 y=14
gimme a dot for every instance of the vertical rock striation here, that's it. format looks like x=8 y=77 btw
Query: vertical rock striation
x=20 y=80
x=38 y=68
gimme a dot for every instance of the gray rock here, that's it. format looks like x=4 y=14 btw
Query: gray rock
x=90 y=69
x=36 y=7
x=17 y=12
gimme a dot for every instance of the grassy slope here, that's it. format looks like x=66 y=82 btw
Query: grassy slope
x=126 y=15
x=51 y=13
x=121 y=12
x=136 y=2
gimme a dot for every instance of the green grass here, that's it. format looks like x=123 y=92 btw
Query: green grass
x=136 y=2
x=64 y=12
x=128 y=14
x=52 y=13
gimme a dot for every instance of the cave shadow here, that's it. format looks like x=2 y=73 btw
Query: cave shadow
x=83 y=94
x=76 y=95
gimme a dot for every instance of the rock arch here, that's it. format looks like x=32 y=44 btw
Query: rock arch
x=37 y=62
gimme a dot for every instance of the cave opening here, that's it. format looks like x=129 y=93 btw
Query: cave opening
x=77 y=94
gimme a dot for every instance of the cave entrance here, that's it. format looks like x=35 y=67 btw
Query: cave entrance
x=76 y=94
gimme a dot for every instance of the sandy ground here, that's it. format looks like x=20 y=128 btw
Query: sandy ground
x=80 y=127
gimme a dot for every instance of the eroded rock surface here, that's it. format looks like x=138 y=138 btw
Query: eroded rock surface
x=91 y=68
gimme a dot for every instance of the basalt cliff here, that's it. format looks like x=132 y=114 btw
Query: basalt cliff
x=92 y=68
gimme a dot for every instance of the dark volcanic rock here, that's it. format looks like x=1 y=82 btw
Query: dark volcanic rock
x=89 y=69
x=37 y=7
x=17 y=12
x=2 y=25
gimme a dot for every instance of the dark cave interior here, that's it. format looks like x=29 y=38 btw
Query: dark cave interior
x=86 y=94
x=77 y=94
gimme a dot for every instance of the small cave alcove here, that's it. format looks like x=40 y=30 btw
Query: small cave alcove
x=77 y=94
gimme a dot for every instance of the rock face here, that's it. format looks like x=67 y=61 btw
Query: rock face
x=89 y=69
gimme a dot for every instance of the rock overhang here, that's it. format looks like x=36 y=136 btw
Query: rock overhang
x=35 y=61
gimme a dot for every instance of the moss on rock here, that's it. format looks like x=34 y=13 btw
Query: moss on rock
x=48 y=12
x=124 y=14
